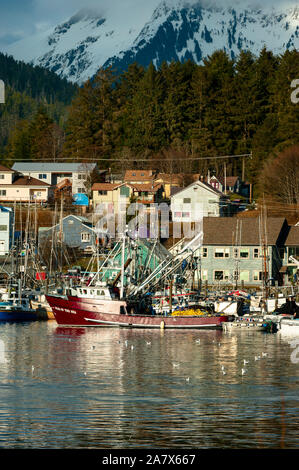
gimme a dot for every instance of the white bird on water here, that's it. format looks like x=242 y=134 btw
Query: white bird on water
x=148 y=343
x=176 y=364
x=197 y=341
x=257 y=358
x=264 y=354
x=245 y=362
x=32 y=368
x=188 y=379
x=243 y=371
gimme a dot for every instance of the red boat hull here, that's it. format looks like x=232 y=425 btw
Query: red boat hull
x=74 y=311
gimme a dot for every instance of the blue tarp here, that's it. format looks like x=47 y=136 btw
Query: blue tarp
x=80 y=199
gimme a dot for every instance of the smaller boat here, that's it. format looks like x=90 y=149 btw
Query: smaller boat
x=289 y=327
x=43 y=309
x=15 y=307
x=17 y=312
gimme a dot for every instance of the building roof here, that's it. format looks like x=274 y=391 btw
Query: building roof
x=200 y=183
x=105 y=186
x=231 y=180
x=84 y=221
x=293 y=236
x=138 y=175
x=167 y=178
x=225 y=231
x=4 y=169
x=147 y=187
x=53 y=167
x=29 y=181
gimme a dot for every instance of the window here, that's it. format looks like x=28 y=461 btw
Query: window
x=259 y=275
x=244 y=276
x=185 y=214
x=204 y=252
x=221 y=253
x=81 y=190
x=2 y=192
x=85 y=237
x=281 y=253
x=235 y=252
x=42 y=176
x=256 y=252
x=294 y=251
x=244 y=252
x=187 y=200
x=102 y=193
x=125 y=191
x=81 y=176
x=2 y=177
x=221 y=275
x=3 y=228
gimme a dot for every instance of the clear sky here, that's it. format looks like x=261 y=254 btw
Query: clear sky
x=21 y=18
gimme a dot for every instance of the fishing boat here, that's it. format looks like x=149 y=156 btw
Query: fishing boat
x=100 y=306
x=15 y=311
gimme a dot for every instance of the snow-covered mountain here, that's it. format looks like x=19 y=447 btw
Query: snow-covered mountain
x=160 y=31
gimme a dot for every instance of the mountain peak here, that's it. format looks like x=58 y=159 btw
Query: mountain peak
x=158 y=31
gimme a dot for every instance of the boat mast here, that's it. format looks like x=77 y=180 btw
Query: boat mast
x=122 y=266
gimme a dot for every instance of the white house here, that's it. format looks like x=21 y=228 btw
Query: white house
x=6 y=229
x=53 y=173
x=196 y=201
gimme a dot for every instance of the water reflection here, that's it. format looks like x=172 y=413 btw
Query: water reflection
x=127 y=388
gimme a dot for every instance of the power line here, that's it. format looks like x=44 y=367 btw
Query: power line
x=137 y=160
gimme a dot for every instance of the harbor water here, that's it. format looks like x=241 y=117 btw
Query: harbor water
x=121 y=388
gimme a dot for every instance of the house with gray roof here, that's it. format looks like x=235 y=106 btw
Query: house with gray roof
x=73 y=231
x=232 y=250
x=54 y=173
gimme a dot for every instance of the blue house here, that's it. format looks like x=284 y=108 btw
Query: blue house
x=6 y=229
x=74 y=231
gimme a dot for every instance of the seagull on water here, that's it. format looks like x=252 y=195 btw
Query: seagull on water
x=176 y=364
x=257 y=358
x=245 y=362
x=264 y=354
x=243 y=371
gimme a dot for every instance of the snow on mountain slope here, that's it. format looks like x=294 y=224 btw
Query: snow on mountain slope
x=156 y=31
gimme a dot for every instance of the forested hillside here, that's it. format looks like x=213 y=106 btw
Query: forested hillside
x=28 y=90
x=169 y=118
x=185 y=111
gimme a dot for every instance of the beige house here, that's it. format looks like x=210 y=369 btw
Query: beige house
x=111 y=196
x=21 y=188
